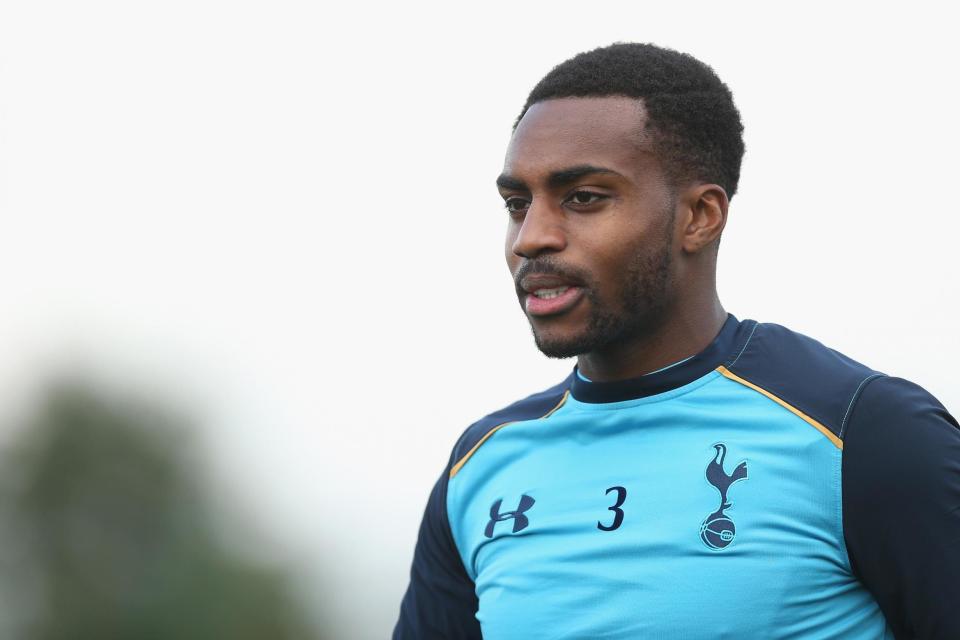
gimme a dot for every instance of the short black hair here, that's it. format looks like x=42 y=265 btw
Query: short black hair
x=694 y=125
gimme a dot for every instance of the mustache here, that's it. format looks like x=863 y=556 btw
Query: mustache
x=550 y=266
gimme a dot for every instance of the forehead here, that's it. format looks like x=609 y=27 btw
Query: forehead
x=564 y=132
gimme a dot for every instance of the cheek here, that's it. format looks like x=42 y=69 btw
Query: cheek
x=613 y=253
x=508 y=241
x=611 y=273
x=512 y=228
x=611 y=242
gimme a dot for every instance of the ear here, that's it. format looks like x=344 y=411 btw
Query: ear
x=703 y=216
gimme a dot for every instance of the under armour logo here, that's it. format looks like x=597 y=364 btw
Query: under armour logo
x=520 y=521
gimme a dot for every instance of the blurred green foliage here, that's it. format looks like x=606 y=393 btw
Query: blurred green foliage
x=105 y=533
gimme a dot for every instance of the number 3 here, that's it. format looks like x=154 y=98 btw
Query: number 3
x=617 y=511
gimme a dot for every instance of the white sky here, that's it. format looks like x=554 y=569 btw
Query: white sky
x=282 y=216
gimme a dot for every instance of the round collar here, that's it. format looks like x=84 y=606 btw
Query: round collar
x=728 y=342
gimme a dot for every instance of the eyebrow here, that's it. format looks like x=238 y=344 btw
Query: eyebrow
x=556 y=179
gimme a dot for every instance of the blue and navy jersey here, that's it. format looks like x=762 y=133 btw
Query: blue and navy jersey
x=768 y=487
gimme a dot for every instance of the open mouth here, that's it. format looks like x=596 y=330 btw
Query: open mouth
x=546 y=301
x=550 y=294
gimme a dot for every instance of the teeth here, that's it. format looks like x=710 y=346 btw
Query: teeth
x=546 y=294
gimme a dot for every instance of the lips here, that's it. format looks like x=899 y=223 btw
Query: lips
x=556 y=303
x=548 y=294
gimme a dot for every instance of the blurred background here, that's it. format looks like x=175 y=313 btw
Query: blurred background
x=252 y=285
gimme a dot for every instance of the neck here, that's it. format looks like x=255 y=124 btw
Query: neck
x=681 y=333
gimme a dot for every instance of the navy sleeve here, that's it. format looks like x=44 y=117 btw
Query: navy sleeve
x=440 y=601
x=901 y=505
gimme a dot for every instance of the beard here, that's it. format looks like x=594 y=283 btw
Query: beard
x=643 y=302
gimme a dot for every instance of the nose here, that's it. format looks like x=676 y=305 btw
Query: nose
x=542 y=230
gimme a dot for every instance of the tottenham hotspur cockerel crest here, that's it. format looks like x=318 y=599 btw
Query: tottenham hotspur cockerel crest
x=718 y=530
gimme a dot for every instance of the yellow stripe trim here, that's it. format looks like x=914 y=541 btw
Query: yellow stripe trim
x=838 y=443
x=456 y=468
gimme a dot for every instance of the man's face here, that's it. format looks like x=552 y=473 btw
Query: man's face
x=590 y=237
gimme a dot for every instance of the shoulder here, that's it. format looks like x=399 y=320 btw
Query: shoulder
x=902 y=448
x=531 y=407
x=819 y=381
x=901 y=506
x=897 y=425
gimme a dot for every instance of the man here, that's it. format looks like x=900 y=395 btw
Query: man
x=696 y=476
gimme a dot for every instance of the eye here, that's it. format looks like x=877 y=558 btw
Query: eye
x=515 y=205
x=585 y=198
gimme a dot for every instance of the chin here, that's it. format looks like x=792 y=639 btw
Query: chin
x=554 y=345
x=600 y=331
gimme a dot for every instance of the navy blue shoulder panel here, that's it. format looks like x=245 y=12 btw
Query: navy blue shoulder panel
x=441 y=600
x=901 y=506
x=802 y=372
x=530 y=408
x=900 y=473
